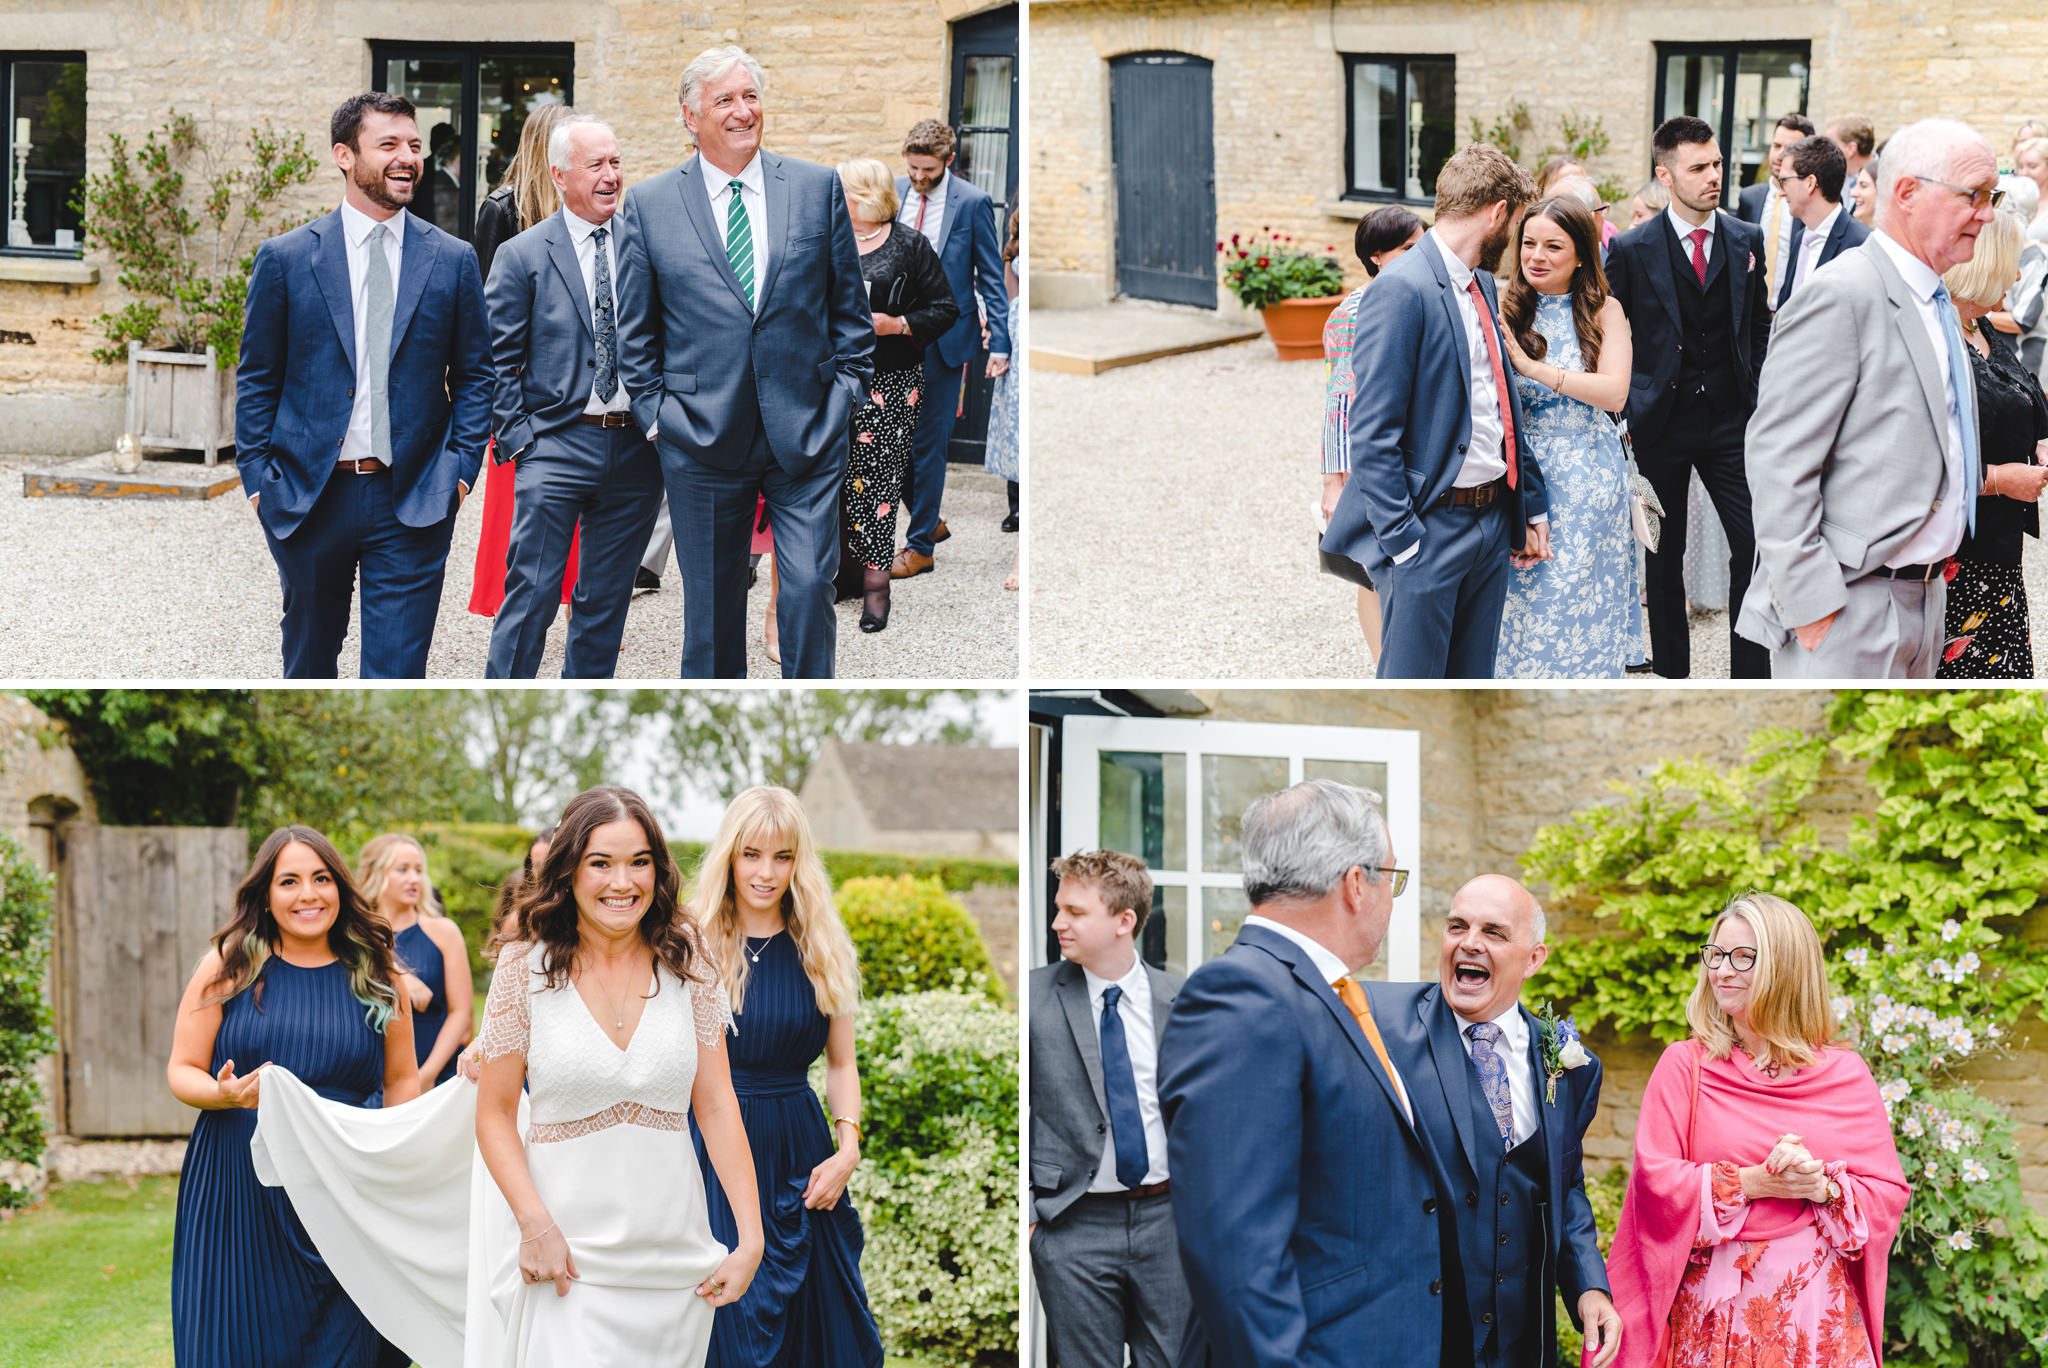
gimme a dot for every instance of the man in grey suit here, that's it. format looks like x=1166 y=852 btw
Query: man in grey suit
x=745 y=344
x=1863 y=461
x=1103 y=1246
x=561 y=413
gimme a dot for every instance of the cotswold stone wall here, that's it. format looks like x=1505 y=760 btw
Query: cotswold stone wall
x=846 y=78
x=1280 y=99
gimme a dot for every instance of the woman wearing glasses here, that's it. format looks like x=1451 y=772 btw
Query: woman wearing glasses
x=1766 y=1189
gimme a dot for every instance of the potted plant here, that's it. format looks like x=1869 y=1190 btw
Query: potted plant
x=186 y=268
x=1293 y=289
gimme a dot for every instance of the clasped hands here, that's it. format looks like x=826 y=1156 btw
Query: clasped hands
x=1789 y=1171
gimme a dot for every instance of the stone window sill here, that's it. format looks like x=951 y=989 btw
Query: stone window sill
x=48 y=271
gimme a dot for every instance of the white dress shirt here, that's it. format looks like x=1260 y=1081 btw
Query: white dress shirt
x=1942 y=533
x=1685 y=231
x=1134 y=1009
x=1513 y=1048
x=1331 y=968
x=355 y=230
x=1811 y=244
x=934 y=212
x=583 y=236
x=1485 y=460
x=753 y=199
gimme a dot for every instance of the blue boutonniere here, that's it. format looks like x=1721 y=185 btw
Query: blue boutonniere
x=1559 y=1048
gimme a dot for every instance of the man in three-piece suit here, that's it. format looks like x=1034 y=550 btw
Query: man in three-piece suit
x=745 y=344
x=958 y=219
x=563 y=415
x=1691 y=280
x=1822 y=228
x=1863 y=451
x=1444 y=492
x=363 y=403
x=1103 y=1251
x=1303 y=1185
x=1505 y=1144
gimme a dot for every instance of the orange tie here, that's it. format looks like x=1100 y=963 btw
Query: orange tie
x=1353 y=997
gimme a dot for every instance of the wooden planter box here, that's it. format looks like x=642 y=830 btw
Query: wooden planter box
x=181 y=399
x=1296 y=326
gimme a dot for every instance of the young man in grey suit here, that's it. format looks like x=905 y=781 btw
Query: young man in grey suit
x=561 y=413
x=1863 y=461
x=745 y=343
x=1103 y=1247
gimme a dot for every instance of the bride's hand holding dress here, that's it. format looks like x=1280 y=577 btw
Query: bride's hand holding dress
x=725 y=1141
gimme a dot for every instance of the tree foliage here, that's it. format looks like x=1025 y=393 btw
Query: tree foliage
x=25 y=1035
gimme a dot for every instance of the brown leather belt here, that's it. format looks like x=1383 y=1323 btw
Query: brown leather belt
x=368 y=465
x=1922 y=573
x=1478 y=496
x=1144 y=1190
x=620 y=418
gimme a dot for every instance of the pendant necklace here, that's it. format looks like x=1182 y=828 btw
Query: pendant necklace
x=755 y=955
x=870 y=237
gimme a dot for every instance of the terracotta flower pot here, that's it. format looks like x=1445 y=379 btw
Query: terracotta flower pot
x=1296 y=326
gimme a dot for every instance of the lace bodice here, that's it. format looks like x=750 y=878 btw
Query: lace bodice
x=578 y=1079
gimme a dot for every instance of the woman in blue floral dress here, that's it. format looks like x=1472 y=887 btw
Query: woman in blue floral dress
x=1577 y=615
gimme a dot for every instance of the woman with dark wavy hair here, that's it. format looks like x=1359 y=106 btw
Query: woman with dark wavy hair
x=301 y=977
x=1576 y=615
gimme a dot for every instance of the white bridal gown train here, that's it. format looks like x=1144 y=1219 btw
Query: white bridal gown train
x=401 y=1207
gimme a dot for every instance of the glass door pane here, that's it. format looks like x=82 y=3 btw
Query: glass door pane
x=1144 y=807
x=1432 y=132
x=1165 y=938
x=434 y=85
x=1693 y=84
x=1229 y=784
x=1767 y=84
x=1224 y=911
x=1369 y=775
x=984 y=152
x=1376 y=127
x=510 y=87
x=51 y=96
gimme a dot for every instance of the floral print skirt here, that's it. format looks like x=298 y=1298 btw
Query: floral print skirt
x=1985 y=624
x=873 y=489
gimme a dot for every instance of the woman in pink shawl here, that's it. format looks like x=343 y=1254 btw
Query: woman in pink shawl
x=1766 y=1188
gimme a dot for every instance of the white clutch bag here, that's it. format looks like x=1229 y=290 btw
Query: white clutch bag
x=1645 y=511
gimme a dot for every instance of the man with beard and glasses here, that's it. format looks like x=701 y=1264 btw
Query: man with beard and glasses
x=363 y=402
x=1692 y=281
x=1443 y=493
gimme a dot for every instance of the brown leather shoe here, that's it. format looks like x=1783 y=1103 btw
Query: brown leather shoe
x=909 y=563
x=941 y=532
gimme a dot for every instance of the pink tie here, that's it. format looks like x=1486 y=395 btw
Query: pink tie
x=1699 y=253
x=923 y=203
x=1500 y=379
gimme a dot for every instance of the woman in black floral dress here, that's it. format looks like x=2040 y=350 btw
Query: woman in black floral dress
x=1985 y=624
x=912 y=305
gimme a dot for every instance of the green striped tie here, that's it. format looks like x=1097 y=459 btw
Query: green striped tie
x=739 y=243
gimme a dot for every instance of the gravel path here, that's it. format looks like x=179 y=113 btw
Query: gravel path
x=167 y=589
x=1173 y=533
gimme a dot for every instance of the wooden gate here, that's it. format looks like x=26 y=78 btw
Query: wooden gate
x=1162 y=145
x=137 y=907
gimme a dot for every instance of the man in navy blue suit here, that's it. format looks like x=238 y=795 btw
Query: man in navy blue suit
x=363 y=403
x=958 y=219
x=1822 y=228
x=1505 y=1143
x=1304 y=1193
x=1444 y=494
x=745 y=344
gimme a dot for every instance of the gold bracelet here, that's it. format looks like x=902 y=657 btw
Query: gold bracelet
x=858 y=1133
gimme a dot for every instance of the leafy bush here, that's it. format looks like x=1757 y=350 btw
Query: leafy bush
x=1262 y=272
x=1924 y=906
x=1605 y=1191
x=937 y=1184
x=910 y=935
x=25 y=1035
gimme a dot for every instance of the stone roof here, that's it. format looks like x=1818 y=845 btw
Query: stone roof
x=931 y=787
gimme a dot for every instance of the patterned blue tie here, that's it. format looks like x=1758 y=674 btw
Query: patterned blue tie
x=1962 y=399
x=1120 y=1086
x=1493 y=1076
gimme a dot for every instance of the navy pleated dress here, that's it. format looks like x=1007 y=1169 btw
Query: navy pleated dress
x=248 y=1290
x=807 y=1307
x=418 y=953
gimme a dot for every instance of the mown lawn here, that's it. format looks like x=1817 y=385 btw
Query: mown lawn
x=85 y=1278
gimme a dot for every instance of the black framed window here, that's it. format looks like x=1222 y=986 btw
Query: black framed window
x=42 y=142
x=1400 y=125
x=1739 y=89
x=985 y=107
x=473 y=99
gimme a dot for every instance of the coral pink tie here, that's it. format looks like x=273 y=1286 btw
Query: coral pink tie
x=1500 y=378
x=1698 y=237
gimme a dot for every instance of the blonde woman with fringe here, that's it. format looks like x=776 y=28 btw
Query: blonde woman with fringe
x=391 y=871
x=765 y=907
x=1766 y=1187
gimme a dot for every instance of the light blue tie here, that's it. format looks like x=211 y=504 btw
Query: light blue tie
x=1962 y=398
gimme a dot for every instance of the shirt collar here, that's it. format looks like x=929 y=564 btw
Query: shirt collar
x=1920 y=278
x=1827 y=225
x=1131 y=982
x=750 y=175
x=1514 y=1031
x=1327 y=962
x=1684 y=229
x=580 y=227
x=358 y=224
x=1454 y=265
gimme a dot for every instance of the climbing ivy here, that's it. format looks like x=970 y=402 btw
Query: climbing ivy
x=25 y=1036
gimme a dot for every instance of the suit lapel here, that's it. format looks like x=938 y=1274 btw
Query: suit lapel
x=1450 y=302
x=562 y=252
x=1072 y=991
x=1656 y=261
x=415 y=264
x=1906 y=318
x=691 y=188
x=330 y=268
x=1453 y=1068
x=1549 y=1121
x=953 y=198
x=1162 y=1001
x=775 y=193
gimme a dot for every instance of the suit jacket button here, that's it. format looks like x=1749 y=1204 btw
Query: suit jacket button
x=1486 y=1319
x=590 y=365
x=1503 y=1199
x=1436 y=1287
x=1503 y=1239
x=1461 y=448
x=1471 y=1199
x=351 y=391
x=1099 y=1129
x=1429 y=1206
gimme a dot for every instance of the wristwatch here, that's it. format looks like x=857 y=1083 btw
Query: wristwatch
x=1834 y=1191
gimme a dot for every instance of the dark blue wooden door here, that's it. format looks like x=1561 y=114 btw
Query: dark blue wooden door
x=985 y=119
x=1162 y=126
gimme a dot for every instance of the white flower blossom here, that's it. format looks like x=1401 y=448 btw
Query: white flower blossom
x=1961 y=1240
x=1974 y=1172
x=1950 y=929
x=1893 y=1044
x=1859 y=957
x=1932 y=1170
x=1911 y=1127
x=1574 y=1056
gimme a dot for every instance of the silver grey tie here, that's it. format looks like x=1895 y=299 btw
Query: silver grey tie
x=377 y=341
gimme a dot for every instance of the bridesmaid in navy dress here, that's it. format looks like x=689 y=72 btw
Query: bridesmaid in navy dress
x=392 y=874
x=766 y=908
x=302 y=976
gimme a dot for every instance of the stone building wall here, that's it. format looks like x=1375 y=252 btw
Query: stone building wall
x=1279 y=91
x=845 y=78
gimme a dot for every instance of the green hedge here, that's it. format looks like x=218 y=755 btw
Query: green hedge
x=25 y=1035
x=912 y=935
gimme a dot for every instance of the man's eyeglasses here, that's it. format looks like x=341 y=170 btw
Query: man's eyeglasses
x=1743 y=957
x=1978 y=197
x=1397 y=879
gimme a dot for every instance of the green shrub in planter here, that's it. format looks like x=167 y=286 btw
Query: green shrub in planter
x=912 y=935
x=1266 y=270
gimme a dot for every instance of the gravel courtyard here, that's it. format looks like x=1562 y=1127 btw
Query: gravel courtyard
x=175 y=589
x=1173 y=528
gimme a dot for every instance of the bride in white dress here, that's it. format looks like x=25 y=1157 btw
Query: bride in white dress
x=610 y=1012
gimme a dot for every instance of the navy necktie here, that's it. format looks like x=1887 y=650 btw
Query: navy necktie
x=1120 y=1086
